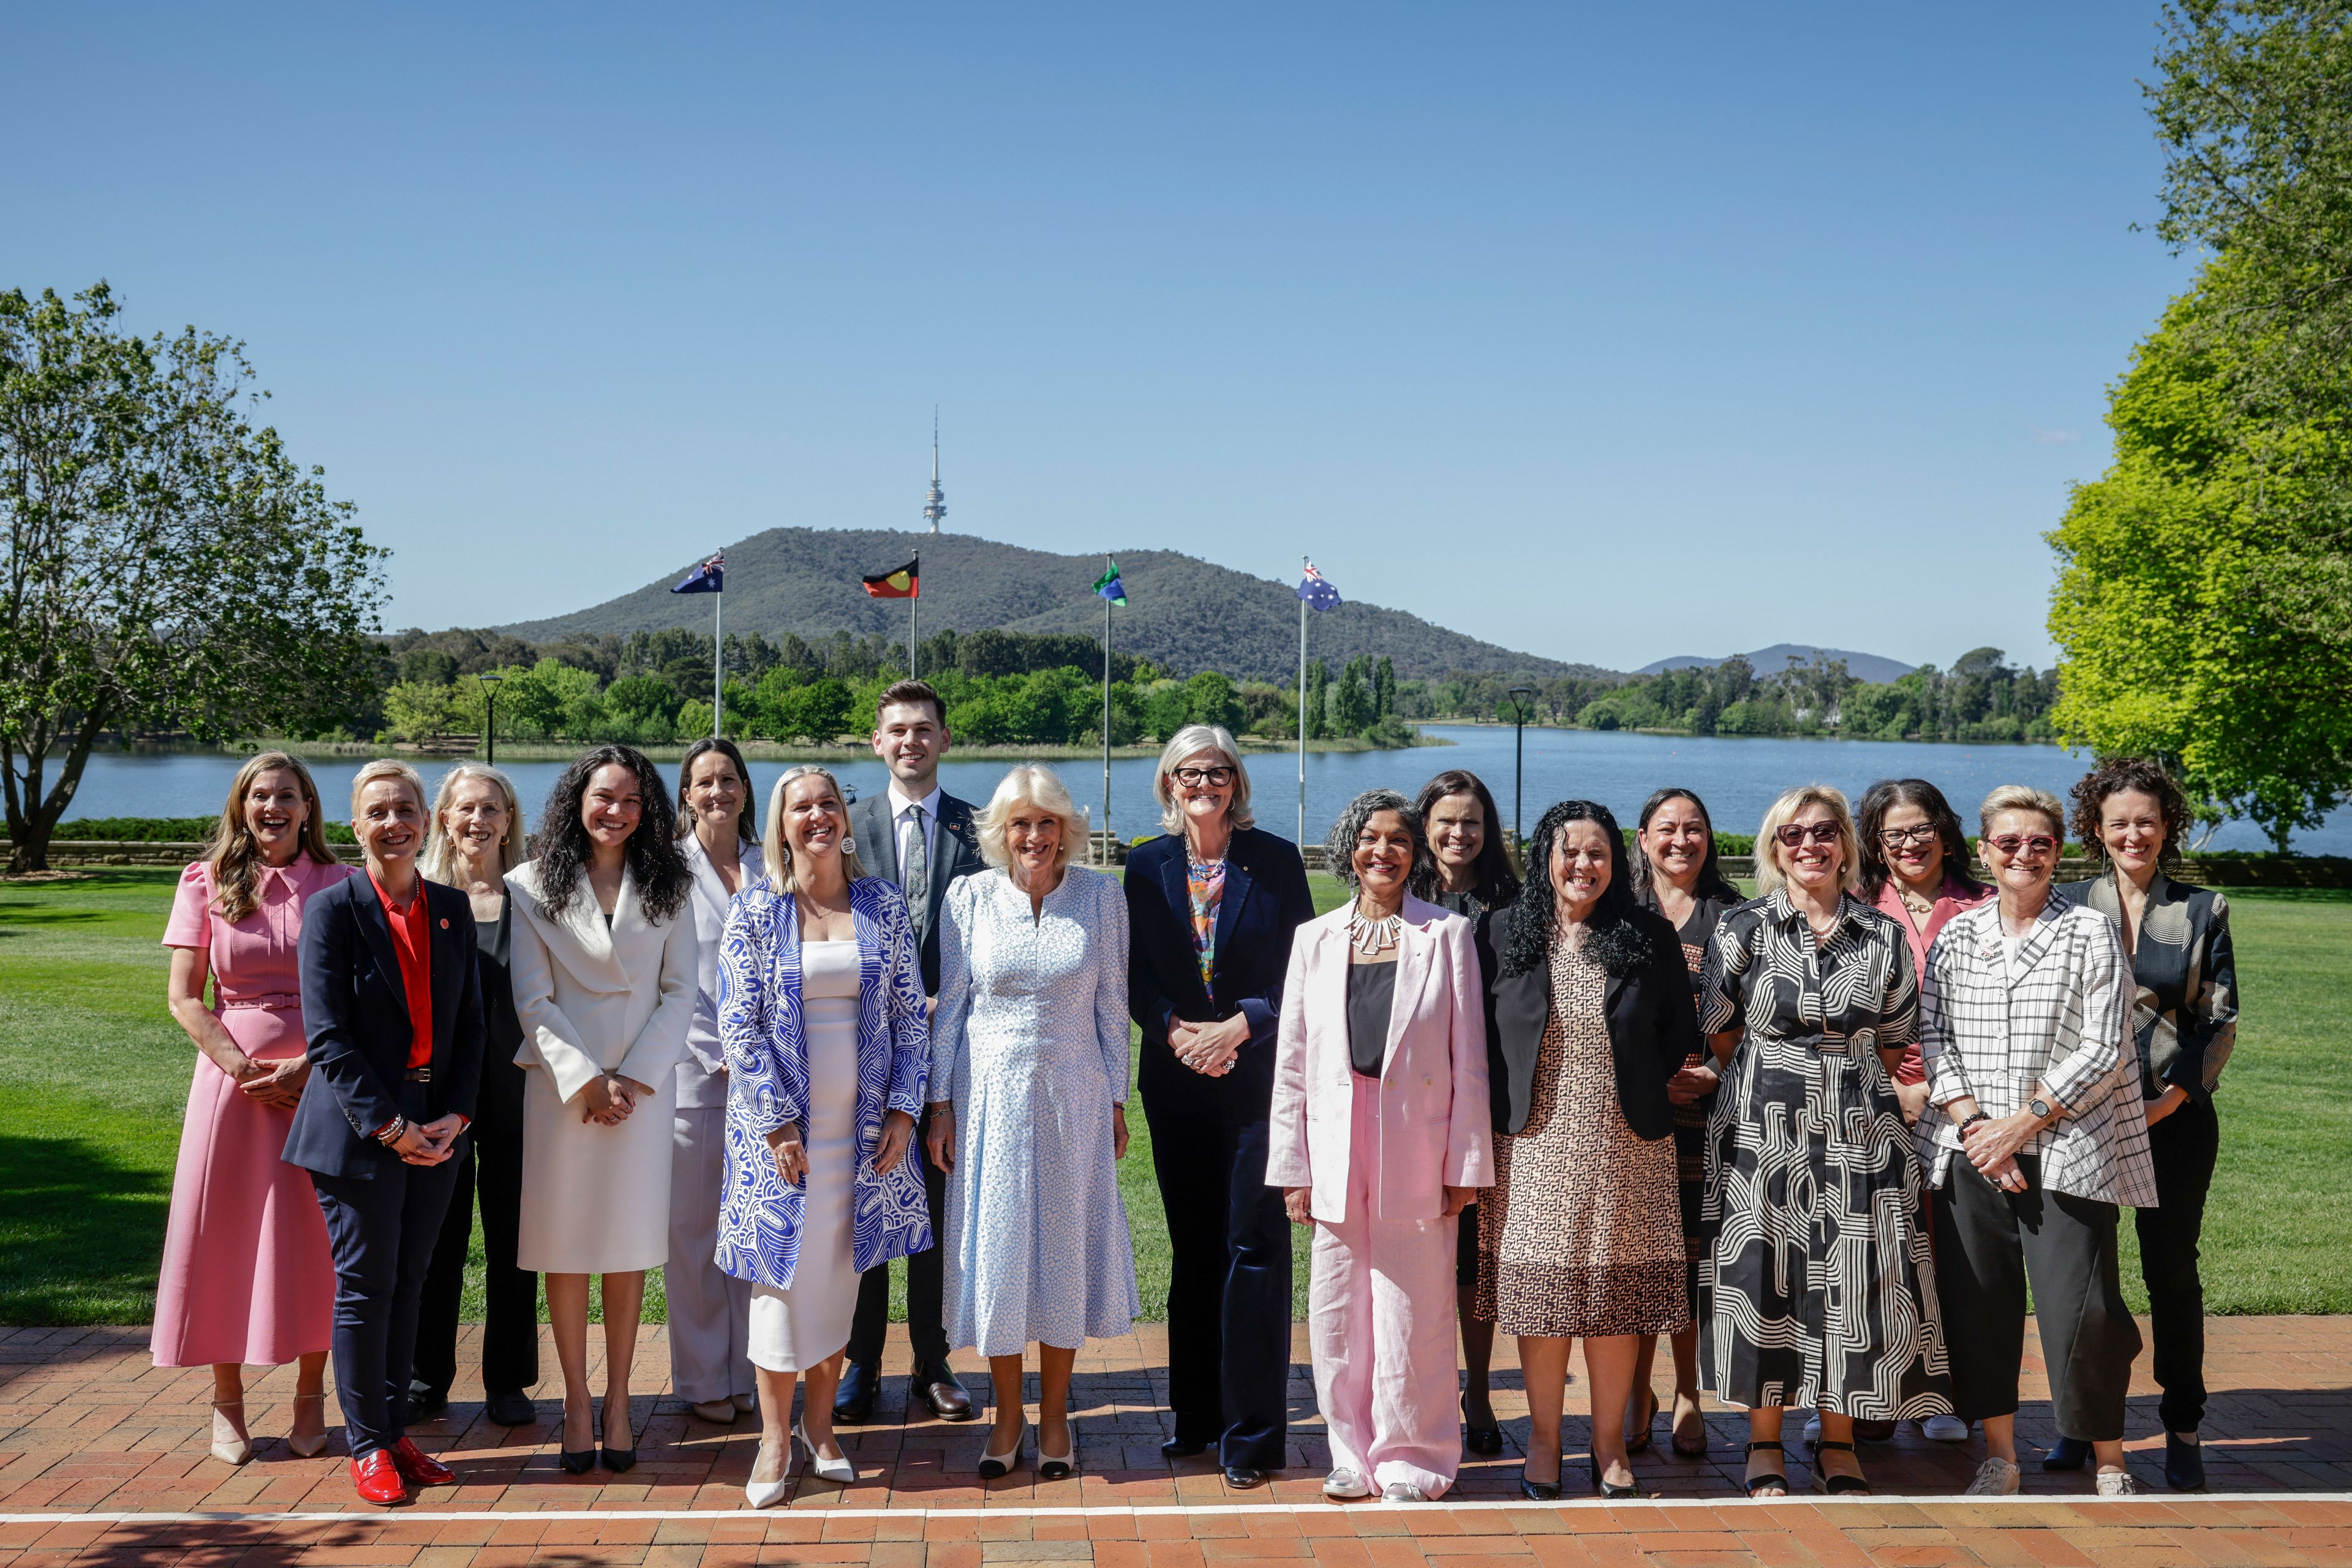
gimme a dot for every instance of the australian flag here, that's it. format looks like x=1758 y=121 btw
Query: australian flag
x=1317 y=590
x=707 y=578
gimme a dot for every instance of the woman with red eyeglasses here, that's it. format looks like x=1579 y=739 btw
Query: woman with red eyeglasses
x=1821 y=1292
x=2034 y=1135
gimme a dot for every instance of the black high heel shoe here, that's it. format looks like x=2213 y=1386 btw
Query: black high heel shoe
x=577 y=1461
x=1537 y=1492
x=1485 y=1440
x=1609 y=1488
x=621 y=1460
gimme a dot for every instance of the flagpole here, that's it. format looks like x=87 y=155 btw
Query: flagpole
x=718 y=659
x=915 y=619
x=1302 y=725
x=1105 y=816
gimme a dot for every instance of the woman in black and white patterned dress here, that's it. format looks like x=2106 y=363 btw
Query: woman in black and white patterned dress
x=1820 y=1288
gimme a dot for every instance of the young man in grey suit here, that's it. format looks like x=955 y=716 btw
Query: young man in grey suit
x=921 y=838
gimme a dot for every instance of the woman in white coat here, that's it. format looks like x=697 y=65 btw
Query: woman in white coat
x=709 y=1308
x=1379 y=1139
x=604 y=985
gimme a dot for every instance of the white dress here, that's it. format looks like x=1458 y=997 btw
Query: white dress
x=1030 y=1042
x=795 y=1328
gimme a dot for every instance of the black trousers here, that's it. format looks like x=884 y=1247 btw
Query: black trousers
x=1229 y=1266
x=491 y=1169
x=381 y=1232
x=1988 y=1246
x=2185 y=1145
x=925 y=1281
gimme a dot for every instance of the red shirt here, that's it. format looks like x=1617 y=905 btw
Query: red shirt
x=414 y=946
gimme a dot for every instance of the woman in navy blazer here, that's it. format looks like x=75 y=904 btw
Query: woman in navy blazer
x=1212 y=908
x=389 y=1098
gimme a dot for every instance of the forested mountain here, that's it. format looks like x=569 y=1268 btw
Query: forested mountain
x=1183 y=614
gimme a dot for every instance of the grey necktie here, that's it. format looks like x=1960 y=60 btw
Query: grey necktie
x=915 y=875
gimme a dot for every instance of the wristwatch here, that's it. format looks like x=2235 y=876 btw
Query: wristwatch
x=2039 y=1106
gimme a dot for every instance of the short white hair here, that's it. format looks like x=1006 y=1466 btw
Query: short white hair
x=1030 y=784
x=2022 y=797
x=1184 y=745
x=390 y=768
x=1770 y=875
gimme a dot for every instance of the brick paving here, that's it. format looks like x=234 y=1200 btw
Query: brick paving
x=103 y=1458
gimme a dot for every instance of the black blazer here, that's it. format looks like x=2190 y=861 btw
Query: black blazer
x=955 y=852
x=355 y=1017
x=2185 y=979
x=1265 y=902
x=1652 y=1025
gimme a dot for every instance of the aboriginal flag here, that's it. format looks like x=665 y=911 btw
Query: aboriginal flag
x=900 y=584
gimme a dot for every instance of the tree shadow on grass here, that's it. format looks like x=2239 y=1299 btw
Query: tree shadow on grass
x=81 y=1232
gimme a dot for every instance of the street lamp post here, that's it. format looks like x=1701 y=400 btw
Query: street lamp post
x=1519 y=697
x=490 y=717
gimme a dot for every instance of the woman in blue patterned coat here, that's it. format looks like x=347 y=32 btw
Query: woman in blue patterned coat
x=1029 y=1111
x=821 y=1016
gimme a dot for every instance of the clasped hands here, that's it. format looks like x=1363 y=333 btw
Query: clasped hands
x=1992 y=1145
x=428 y=1142
x=1209 y=1049
x=791 y=1153
x=1692 y=1081
x=277 y=1084
x=610 y=1098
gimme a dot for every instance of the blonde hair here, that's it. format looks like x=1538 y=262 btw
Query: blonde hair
x=778 y=850
x=1187 y=744
x=1036 y=786
x=236 y=859
x=388 y=768
x=1770 y=876
x=439 y=859
x=2022 y=797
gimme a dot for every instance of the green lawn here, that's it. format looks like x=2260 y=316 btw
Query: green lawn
x=93 y=1077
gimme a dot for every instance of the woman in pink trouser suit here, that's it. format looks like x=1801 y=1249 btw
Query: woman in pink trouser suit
x=1379 y=1138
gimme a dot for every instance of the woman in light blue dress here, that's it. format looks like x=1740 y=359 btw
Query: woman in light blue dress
x=1029 y=1071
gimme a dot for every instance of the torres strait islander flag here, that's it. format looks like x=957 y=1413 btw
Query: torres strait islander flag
x=1108 y=585
x=901 y=583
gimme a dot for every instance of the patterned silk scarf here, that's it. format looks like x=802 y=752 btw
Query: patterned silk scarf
x=1205 y=881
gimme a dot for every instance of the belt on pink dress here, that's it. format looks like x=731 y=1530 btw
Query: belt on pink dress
x=268 y=1001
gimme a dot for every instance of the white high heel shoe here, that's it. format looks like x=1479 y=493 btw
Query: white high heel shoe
x=310 y=1447
x=767 y=1494
x=992 y=1466
x=839 y=1469
x=230 y=1446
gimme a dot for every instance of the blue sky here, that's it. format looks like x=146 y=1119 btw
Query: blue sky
x=1603 y=331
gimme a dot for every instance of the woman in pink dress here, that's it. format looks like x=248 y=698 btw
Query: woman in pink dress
x=246 y=1277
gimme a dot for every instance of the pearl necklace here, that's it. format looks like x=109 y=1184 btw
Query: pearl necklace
x=1373 y=938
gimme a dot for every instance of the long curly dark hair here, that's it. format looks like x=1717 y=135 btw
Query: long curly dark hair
x=562 y=847
x=1612 y=936
x=1498 y=884
x=1712 y=883
x=2113 y=777
x=1885 y=796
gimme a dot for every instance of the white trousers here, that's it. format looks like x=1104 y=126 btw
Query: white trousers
x=709 y=1310
x=1379 y=1312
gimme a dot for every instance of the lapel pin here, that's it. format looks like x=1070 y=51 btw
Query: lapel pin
x=444 y=922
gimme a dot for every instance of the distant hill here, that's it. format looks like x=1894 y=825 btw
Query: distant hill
x=1183 y=613
x=1772 y=660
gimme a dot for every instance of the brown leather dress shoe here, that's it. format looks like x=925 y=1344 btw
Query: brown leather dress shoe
x=419 y=1468
x=376 y=1478
x=937 y=1387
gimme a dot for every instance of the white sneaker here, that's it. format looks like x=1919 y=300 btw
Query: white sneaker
x=1995 y=1477
x=2117 y=1483
x=1346 y=1485
x=1945 y=1428
x=1403 y=1492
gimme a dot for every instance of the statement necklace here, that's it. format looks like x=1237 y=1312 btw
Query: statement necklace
x=1373 y=938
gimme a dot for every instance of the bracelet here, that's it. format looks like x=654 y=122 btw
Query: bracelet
x=1973 y=1117
x=393 y=1133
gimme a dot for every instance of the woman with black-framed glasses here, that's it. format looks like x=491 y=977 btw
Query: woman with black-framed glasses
x=1821 y=1290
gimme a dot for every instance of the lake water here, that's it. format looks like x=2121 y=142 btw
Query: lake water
x=1737 y=778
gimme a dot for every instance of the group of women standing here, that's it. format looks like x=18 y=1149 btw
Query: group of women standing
x=1820 y=1141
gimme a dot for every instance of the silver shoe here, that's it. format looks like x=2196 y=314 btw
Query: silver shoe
x=1403 y=1492
x=2117 y=1483
x=1995 y=1477
x=1346 y=1485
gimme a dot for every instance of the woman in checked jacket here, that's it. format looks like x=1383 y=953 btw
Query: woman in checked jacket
x=2033 y=1137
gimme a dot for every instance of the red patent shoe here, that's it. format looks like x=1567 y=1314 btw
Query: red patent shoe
x=421 y=1467
x=376 y=1477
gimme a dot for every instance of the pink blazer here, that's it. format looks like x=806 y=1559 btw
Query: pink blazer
x=1435 y=1121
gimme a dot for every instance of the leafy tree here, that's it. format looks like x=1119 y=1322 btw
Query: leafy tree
x=819 y=710
x=1167 y=708
x=418 y=710
x=1350 y=703
x=166 y=566
x=1384 y=688
x=1213 y=699
x=1318 y=685
x=635 y=697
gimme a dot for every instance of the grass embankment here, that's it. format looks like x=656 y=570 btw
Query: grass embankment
x=94 y=1078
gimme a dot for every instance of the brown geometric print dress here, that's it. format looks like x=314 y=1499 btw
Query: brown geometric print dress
x=1580 y=1234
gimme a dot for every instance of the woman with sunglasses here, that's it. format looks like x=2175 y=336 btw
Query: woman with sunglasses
x=2035 y=1136
x=1819 y=1284
x=1914 y=871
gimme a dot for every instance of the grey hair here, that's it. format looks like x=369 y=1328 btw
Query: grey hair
x=777 y=850
x=1339 y=847
x=1189 y=743
x=1040 y=786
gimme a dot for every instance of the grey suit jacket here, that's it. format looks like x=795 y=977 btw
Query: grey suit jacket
x=955 y=852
